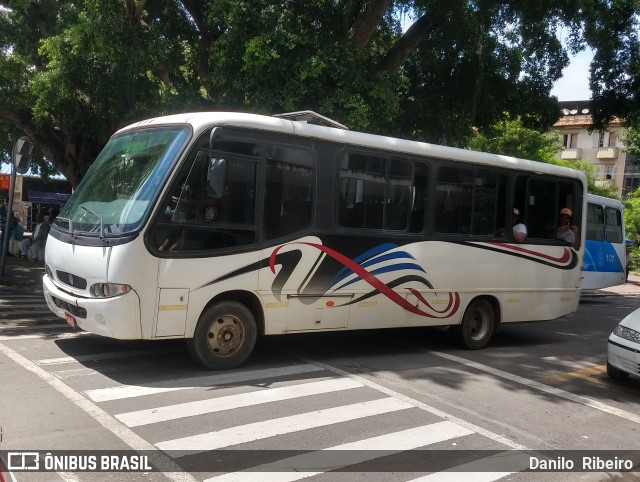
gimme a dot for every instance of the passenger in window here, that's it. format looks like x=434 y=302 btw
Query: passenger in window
x=567 y=231
x=519 y=230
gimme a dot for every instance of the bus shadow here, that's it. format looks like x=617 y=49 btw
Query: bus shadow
x=425 y=355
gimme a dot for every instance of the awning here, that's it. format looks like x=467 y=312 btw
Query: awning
x=48 y=197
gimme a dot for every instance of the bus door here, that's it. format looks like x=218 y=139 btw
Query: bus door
x=292 y=285
x=294 y=295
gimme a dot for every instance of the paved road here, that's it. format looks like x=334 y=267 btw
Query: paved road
x=305 y=405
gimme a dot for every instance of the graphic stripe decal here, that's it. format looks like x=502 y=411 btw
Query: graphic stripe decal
x=365 y=276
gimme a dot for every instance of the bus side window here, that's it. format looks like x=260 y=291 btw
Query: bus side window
x=200 y=213
x=613 y=225
x=288 y=190
x=595 y=222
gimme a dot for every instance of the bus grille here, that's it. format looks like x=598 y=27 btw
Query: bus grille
x=73 y=309
x=71 y=280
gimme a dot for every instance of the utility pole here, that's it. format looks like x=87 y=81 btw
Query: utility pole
x=20 y=163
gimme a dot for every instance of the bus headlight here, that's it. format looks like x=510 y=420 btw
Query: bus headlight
x=108 y=290
x=627 y=333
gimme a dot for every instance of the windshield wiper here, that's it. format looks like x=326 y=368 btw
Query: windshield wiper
x=91 y=211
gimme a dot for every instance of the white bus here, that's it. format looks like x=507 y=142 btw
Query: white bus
x=219 y=227
x=605 y=255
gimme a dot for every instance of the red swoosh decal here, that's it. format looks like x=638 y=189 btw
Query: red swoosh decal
x=369 y=278
x=565 y=258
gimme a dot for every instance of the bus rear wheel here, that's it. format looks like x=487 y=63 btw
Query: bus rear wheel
x=478 y=325
x=224 y=337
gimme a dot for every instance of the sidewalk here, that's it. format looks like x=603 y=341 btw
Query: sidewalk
x=22 y=274
x=630 y=288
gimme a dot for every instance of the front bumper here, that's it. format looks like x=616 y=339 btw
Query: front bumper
x=117 y=317
x=624 y=355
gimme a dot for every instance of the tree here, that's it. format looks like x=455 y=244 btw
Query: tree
x=512 y=138
x=631 y=140
x=71 y=72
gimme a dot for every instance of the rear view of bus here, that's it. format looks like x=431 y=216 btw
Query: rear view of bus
x=605 y=257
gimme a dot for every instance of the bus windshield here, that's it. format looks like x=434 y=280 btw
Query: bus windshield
x=118 y=190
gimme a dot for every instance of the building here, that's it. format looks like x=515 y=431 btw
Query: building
x=31 y=194
x=605 y=150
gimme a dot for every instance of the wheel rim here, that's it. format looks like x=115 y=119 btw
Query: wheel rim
x=478 y=325
x=225 y=335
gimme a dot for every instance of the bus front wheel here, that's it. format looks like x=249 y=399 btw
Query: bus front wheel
x=224 y=337
x=478 y=325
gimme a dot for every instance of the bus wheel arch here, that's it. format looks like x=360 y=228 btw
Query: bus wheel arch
x=226 y=331
x=479 y=323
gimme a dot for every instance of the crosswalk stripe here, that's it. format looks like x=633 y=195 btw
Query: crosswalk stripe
x=55 y=336
x=482 y=470
x=279 y=426
x=129 y=391
x=12 y=298
x=55 y=326
x=101 y=356
x=38 y=318
x=320 y=461
x=22 y=311
x=200 y=407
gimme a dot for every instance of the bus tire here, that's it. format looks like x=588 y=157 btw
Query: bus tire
x=224 y=337
x=616 y=373
x=478 y=325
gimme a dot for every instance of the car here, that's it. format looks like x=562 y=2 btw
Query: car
x=623 y=351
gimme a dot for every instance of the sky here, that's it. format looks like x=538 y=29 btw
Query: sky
x=574 y=84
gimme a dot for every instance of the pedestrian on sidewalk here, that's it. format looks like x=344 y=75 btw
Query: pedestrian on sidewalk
x=37 y=242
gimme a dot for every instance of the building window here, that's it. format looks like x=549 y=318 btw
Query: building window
x=569 y=141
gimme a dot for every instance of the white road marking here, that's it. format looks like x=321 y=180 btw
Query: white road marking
x=129 y=391
x=171 y=470
x=279 y=426
x=423 y=406
x=52 y=336
x=481 y=470
x=101 y=356
x=588 y=402
x=51 y=326
x=308 y=465
x=200 y=407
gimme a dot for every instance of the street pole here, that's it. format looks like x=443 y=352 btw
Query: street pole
x=20 y=162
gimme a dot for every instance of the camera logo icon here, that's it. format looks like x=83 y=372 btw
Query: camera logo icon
x=23 y=460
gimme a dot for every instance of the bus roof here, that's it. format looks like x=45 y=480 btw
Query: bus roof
x=201 y=121
x=606 y=201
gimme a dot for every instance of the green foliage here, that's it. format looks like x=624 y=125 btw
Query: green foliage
x=589 y=169
x=512 y=138
x=73 y=71
x=632 y=226
x=632 y=216
x=631 y=140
